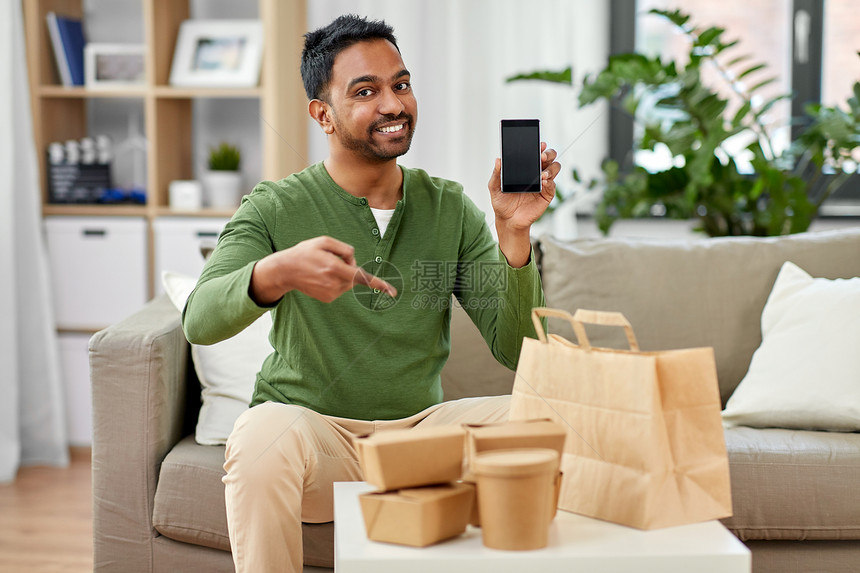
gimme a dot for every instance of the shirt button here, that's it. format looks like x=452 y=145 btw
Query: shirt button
x=375 y=232
x=363 y=201
x=376 y=290
x=378 y=259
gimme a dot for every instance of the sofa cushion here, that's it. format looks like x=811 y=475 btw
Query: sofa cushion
x=227 y=370
x=794 y=485
x=681 y=294
x=189 y=503
x=189 y=499
x=471 y=369
x=810 y=331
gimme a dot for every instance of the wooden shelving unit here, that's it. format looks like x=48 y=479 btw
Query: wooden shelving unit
x=60 y=113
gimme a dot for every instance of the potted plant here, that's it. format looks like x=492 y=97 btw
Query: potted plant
x=676 y=109
x=223 y=182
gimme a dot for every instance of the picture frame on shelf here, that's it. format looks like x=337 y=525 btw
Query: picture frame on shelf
x=217 y=53
x=112 y=66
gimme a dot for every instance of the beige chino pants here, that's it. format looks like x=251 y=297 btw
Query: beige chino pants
x=282 y=460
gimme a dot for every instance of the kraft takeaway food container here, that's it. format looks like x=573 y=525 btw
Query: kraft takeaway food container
x=516 y=494
x=417 y=516
x=398 y=459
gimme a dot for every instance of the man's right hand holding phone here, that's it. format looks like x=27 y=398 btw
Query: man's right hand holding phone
x=516 y=212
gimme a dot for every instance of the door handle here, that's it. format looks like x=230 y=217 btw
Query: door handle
x=802 y=30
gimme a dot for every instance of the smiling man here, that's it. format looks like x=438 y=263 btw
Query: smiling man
x=348 y=363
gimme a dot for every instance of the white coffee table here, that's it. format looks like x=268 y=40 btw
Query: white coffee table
x=576 y=543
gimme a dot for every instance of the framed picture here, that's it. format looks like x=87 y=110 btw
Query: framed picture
x=217 y=53
x=111 y=66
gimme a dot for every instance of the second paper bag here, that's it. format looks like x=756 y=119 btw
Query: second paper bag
x=645 y=444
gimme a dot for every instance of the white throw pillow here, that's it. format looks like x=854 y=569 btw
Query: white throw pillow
x=227 y=370
x=806 y=373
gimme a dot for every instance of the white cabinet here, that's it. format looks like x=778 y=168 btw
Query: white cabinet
x=179 y=244
x=98 y=269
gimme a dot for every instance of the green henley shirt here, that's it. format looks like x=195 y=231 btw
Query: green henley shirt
x=365 y=355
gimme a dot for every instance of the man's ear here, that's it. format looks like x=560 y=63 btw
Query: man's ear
x=321 y=112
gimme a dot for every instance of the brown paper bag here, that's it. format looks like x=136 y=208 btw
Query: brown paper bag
x=645 y=444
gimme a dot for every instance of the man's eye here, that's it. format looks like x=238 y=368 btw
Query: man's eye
x=403 y=86
x=364 y=93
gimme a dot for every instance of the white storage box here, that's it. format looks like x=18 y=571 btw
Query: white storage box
x=75 y=364
x=98 y=268
x=178 y=244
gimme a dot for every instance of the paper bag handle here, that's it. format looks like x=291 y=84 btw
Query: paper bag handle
x=582 y=317
x=541 y=311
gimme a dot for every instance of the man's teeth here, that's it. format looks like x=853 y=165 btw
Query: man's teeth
x=391 y=129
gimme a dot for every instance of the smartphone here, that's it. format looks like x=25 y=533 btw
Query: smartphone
x=520 y=155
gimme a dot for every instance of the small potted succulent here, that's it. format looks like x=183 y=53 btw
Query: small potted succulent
x=223 y=182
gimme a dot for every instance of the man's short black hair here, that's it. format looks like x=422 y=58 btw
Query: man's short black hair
x=324 y=44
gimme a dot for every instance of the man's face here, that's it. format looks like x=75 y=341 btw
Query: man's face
x=373 y=108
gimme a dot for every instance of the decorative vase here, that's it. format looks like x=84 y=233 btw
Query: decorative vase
x=223 y=189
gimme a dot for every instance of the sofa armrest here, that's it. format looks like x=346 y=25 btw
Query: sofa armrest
x=138 y=371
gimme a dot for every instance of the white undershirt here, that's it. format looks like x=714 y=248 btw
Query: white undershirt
x=383 y=217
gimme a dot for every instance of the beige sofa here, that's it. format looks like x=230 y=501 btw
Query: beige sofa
x=158 y=498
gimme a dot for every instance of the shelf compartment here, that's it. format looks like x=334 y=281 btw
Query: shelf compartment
x=62 y=113
x=169 y=120
x=40 y=52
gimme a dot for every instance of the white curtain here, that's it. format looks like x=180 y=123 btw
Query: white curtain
x=460 y=52
x=32 y=424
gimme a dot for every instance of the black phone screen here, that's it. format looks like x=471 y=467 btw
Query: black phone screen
x=520 y=155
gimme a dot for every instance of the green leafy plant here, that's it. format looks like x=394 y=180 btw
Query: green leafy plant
x=676 y=109
x=564 y=76
x=225 y=157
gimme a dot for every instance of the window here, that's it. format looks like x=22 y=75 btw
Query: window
x=809 y=45
x=771 y=44
x=841 y=42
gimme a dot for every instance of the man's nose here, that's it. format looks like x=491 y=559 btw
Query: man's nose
x=390 y=103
